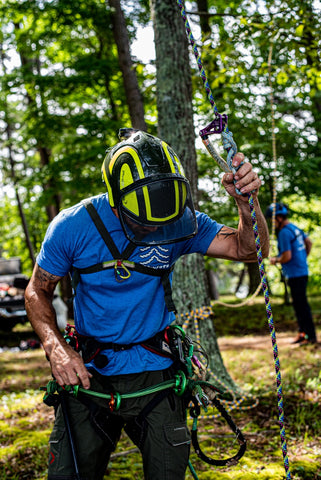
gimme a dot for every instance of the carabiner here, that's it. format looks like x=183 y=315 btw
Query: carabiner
x=121 y=272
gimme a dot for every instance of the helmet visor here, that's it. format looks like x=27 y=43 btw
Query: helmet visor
x=158 y=212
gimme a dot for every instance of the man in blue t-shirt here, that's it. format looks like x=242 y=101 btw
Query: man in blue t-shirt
x=294 y=247
x=120 y=249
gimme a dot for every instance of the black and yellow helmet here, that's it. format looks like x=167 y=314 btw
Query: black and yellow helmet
x=146 y=184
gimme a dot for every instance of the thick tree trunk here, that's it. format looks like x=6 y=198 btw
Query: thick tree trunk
x=254 y=276
x=132 y=92
x=174 y=86
x=175 y=125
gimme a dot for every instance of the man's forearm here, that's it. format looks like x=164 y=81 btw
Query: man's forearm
x=66 y=364
x=42 y=317
x=246 y=239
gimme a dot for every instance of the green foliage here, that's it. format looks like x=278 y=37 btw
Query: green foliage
x=236 y=60
x=63 y=101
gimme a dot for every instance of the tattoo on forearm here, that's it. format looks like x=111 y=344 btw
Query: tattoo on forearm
x=226 y=232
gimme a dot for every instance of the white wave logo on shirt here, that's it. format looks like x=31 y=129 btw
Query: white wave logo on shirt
x=156 y=257
x=299 y=237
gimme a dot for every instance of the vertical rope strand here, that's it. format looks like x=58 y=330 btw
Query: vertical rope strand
x=273 y=337
x=197 y=55
x=259 y=257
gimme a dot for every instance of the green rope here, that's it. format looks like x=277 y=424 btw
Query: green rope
x=179 y=383
x=230 y=146
x=192 y=470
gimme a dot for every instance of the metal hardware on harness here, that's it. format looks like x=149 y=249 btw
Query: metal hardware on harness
x=194 y=411
x=181 y=385
x=71 y=337
x=202 y=399
x=114 y=403
x=216 y=126
x=121 y=272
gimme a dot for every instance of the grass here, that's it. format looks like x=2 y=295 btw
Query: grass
x=25 y=422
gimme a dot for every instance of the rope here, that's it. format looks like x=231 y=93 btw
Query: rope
x=259 y=255
x=242 y=304
x=179 y=384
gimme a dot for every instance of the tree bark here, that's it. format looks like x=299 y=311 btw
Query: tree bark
x=254 y=276
x=175 y=126
x=202 y=6
x=132 y=92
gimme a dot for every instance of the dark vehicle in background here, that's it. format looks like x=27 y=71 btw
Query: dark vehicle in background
x=12 y=288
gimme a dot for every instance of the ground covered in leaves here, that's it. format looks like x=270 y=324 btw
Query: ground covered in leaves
x=25 y=422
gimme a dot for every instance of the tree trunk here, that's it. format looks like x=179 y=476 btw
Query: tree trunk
x=8 y=131
x=202 y=6
x=254 y=276
x=132 y=92
x=175 y=126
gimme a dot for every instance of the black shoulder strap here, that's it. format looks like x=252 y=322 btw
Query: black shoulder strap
x=106 y=235
x=164 y=274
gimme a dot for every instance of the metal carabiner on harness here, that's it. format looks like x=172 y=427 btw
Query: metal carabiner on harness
x=121 y=272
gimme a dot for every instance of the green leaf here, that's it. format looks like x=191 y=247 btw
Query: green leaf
x=282 y=78
x=299 y=30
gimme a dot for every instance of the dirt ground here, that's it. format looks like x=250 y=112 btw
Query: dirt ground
x=260 y=342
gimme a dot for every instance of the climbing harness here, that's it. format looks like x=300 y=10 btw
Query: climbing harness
x=172 y=342
x=187 y=383
x=121 y=265
x=219 y=125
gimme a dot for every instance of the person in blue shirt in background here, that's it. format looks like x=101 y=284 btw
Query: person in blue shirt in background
x=120 y=248
x=294 y=247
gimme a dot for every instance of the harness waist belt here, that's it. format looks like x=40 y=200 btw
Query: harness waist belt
x=91 y=349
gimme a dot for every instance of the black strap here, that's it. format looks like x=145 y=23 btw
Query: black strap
x=168 y=291
x=238 y=434
x=106 y=235
x=156 y=272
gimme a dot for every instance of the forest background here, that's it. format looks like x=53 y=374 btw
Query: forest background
x=64 y=95
x=63 y=100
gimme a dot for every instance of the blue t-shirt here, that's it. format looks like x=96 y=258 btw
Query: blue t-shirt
x=290 y=237
x=128 y=312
